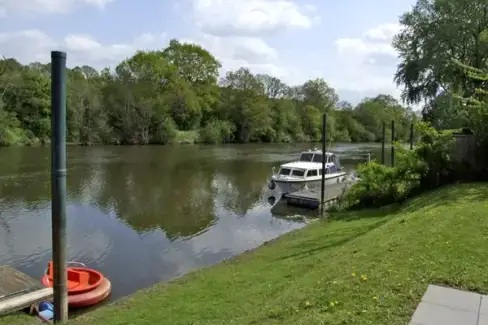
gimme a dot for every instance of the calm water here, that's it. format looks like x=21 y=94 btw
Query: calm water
x=144 y=214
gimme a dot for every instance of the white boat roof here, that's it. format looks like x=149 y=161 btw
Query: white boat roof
x=303 y=165
x=317 y=151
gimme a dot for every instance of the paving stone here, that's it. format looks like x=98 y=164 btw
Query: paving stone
x=484 y=305
x=483 y=320
x=467 y=301
x=432 y=314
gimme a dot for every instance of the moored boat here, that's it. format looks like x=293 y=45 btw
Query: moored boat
x=307 y=172
x=86 y=287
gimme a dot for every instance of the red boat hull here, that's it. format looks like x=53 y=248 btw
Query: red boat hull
x=86 y=287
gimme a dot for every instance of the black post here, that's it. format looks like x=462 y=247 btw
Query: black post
x=411 y=136
x=324 y=157
x=58 y=183
x=383 y=144
x=392 y=142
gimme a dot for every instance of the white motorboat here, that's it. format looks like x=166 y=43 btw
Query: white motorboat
x=306 y=173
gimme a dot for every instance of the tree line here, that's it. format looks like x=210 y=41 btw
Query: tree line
x=175 y=95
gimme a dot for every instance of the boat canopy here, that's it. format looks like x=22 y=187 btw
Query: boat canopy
x=316 y=157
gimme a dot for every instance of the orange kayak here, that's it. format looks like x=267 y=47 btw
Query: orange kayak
x=86 y=286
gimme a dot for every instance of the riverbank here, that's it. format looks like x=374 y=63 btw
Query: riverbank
x=180 y=138
x=369 y=267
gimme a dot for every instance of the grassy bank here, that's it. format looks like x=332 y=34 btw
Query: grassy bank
x=369 y=267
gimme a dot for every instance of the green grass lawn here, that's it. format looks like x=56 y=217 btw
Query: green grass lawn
x=369 y=267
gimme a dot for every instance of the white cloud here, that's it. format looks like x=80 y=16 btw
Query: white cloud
x=247 y=17
x=34 y=45
x=241 y=51
x=253 y=50
x=22 y=7
x=383 y=32
x=234 y=52
x=368 y=62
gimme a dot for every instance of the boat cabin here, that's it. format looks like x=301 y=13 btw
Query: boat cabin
x=297 y=172
x=315 y=156
x=310 y=165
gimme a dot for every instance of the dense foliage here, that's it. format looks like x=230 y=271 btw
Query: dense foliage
x=427 y=166
x=443 y=50
x=435 y=36
x=175 y=94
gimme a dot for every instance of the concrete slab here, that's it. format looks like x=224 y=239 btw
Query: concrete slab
x=453 y=298
x=483 y=319
x=433 y=314
x=484 y=305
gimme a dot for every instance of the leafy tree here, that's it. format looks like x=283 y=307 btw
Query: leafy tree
x=157 y=96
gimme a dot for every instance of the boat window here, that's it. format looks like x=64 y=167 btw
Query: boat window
x=326 y=171
x=317 y=158
x=306 y=157
x=285 y=171
x=320 y=172
x=312 y=172
x=298 y=172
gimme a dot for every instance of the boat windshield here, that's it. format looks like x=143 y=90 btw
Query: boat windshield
x=306 y=157
x=318 y=158
x=298 y=172
x=285 y=171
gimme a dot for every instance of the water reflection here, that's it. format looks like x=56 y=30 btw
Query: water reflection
x=167 y=210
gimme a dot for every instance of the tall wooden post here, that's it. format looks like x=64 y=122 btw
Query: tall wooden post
x=58 y=183
x=411 y=136
x=392 y=143
x=324 y=157
x=383 y=144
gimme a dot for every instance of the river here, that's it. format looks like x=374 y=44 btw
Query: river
x=145 y=214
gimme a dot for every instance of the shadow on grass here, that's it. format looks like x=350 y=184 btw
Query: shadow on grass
x=448 y=195
x=445 y=196
x=373 y=213
x=335 y=239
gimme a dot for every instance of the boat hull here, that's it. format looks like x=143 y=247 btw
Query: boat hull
x=86 y=287
x=89 y=298
x=287 y=186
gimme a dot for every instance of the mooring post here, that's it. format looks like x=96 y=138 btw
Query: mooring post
x=58 y=183
x=324 y=157
x=383 y=144
x=411 y=136
x=392 y=143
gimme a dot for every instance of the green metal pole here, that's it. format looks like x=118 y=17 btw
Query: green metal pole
x=58 y=183
x=392 y=142
x=383 y=144
x=324 y=157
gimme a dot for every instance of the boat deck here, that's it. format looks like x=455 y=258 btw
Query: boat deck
x=311 y=199
x=19 y=291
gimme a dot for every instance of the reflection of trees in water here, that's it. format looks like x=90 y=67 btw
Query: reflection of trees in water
x=240 y=184
x=160 y=192
x=172 y=188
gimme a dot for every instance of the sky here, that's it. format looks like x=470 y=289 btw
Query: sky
x=348 y=42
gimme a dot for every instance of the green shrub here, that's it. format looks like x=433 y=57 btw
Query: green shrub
x=217 y=131
x=427 y=166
